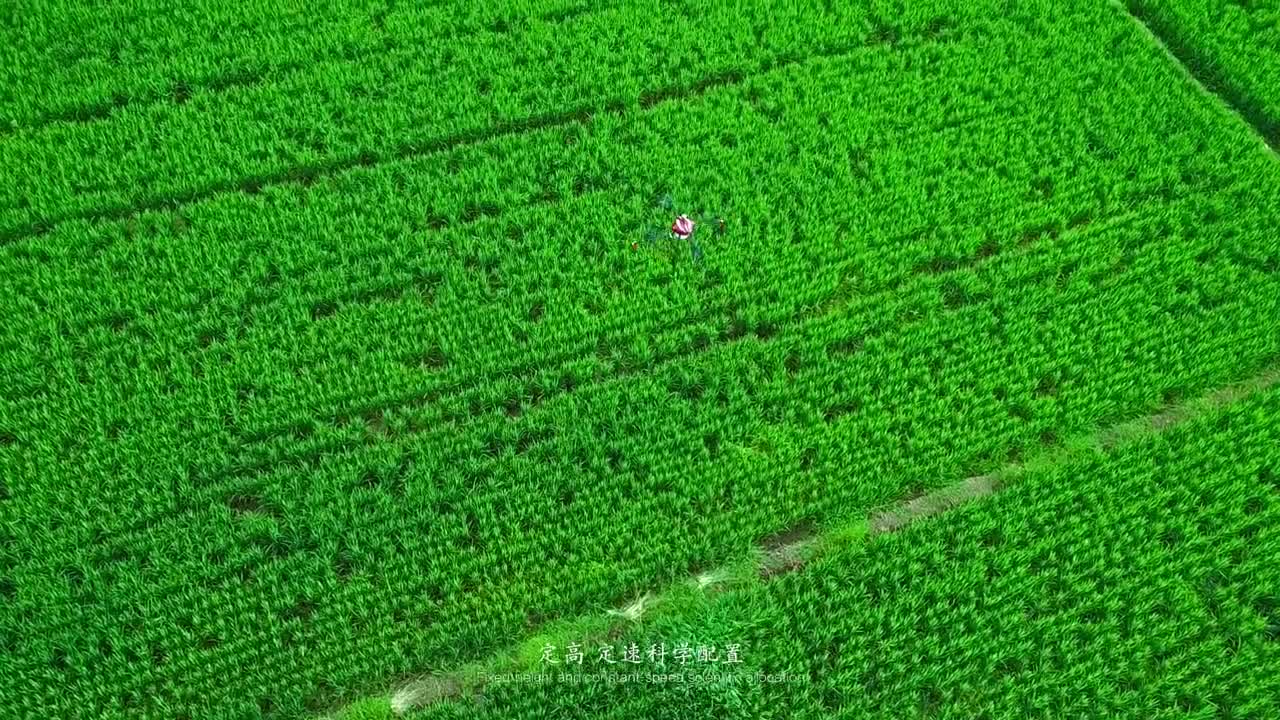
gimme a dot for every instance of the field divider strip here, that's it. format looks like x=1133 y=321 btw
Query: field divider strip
x=794 y=549
x=1210 y=83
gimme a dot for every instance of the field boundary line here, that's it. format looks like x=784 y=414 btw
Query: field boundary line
x=1213 y=85
x=790 y=550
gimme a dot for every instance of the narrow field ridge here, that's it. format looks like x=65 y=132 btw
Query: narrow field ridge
x=932 y=503
x=93 y=112
x=1208 y=81
x=791 y=549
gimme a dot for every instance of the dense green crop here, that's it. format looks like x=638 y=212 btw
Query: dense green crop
x=1138 y=584
x=353 y=371
x=415 y=98
x=75 y=63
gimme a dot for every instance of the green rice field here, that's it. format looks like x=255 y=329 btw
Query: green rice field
x=356 y=360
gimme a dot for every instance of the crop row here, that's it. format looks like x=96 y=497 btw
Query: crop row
x=512 y=397
x=880 y=262
x=354 y=232
x=693 y=331
x=75 y=242
x=377 y=216
x=400 y=103
x=124 y=380
x=128 y=429
x=460 y=408
x=473 y=197
x=133 y=58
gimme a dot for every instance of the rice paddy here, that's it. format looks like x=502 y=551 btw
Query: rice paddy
x=358 y=358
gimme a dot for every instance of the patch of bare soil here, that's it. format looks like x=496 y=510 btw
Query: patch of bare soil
x=786 y=551
x=424 y=692
x=932 y=503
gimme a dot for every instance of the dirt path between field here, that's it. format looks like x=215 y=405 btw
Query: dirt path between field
x=945 y=498
x=933 y=503
x=792 y=549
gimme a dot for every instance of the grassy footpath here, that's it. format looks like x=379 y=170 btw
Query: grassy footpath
x=1233 y=48
x=1135 y=583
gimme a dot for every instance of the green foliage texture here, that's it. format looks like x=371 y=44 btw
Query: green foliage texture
x=333 y=350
